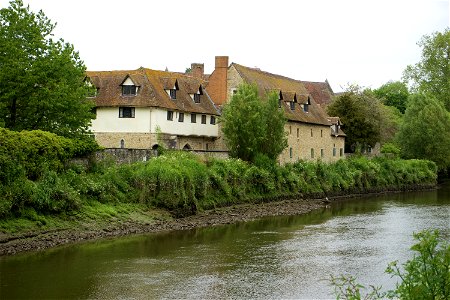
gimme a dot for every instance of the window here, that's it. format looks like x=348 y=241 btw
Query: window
x=322 y=153
x=292 y=104
x=341 y=152
x=311 y=132
x=290 y=152
x=197 y=98
x=203 y=119
x=213 y=120
x=169 y=115
x=129 y=90
x=321 y=133
x=334 y=151
x=279 y=103
x=126 y=112
x=180 y=117
x=312 y=153
x=193 y=118
x=305 y=107
x=173 y=94
x=290 y=129
x=298 y=132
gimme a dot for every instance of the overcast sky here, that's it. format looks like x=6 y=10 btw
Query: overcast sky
x=367 y=42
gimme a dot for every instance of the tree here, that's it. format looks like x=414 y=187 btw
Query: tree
x=252 y=126
x=425 y=276
x=42 y=80
x=432 y=74
x=393 y=94
x=425 y=132
x=361 y=116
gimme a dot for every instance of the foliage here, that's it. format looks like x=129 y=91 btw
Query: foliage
x=425 y=276
x=431 y=74
x=42 y=80
x=183 y=183
x=393 y=93
x=253 y=126
x=361 y=114
x=27 y=154
x=425 y=133
x=390 y=148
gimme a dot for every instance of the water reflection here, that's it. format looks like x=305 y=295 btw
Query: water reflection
x=281 y=257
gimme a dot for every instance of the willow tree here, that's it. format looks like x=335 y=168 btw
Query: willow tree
x=41 y=80
x=253 y=126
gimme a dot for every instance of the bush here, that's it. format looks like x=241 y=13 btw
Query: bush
x=425 y=276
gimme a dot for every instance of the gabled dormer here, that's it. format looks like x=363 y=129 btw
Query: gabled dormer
x=129 y=88
x=171 y=87
x=92 y=89
x=306 y=105
x=196 y=96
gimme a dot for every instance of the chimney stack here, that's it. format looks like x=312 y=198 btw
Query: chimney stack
x=217 y=87
x=198 y=70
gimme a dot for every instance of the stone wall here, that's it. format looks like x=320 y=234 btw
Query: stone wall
x=311 y=142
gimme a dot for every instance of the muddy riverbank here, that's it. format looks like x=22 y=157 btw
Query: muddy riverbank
x=40 y=240
x=11 y=244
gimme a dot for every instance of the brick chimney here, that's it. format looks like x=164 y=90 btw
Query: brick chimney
x=198 y=70
x=217 y=86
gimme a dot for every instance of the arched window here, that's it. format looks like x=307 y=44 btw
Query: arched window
x=122 y=143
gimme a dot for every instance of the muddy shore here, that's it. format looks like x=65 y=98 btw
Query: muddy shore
x=36 y=241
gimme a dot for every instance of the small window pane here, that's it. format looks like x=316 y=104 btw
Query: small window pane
x=181 y=117
x=173 y=94
x=203 y=119
x=126 y=112
x=197 y=98
x=213 y=120
x=170 y=115
x=193 y=118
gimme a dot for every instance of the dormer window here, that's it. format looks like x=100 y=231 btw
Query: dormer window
x=129 y=88
x=292 y=105
x=306 y=105
x=196 y=96
x=173 y=94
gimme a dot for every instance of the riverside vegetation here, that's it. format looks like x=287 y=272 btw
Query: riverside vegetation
x=38 y=183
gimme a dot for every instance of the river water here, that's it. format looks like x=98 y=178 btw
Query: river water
x=277 y=257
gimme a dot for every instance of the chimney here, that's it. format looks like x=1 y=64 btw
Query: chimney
x=217 y=87
x=198 y=70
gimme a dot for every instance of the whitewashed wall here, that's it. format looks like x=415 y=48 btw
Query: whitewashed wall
x=147 y=119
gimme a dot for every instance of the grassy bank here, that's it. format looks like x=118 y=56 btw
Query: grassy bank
x=184 y=184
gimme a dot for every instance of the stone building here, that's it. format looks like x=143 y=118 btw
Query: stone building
x=311 y=134
x=143 y=108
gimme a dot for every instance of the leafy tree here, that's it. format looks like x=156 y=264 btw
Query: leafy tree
x=252 y=126
x=42 y=80
x=361 y=115
x=393 y=94
x=425 y=132
x=425 y=276
x=432 y=74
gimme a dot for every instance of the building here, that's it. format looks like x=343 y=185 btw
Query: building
x=321 y=92
x=145 y=108
x=311 y=135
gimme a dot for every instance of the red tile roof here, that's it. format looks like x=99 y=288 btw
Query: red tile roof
x=267 y=82
x=152 y=90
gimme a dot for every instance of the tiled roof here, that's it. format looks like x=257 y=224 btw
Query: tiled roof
x=267 y=82
x=320 y=91
x=151 y=92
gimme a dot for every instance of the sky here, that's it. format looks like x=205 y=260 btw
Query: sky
x=364 y=42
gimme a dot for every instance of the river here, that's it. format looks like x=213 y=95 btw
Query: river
x=276 y=257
